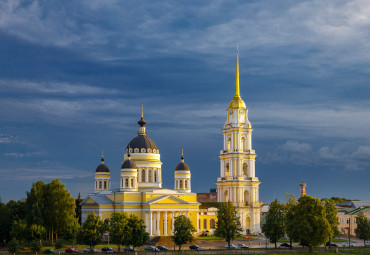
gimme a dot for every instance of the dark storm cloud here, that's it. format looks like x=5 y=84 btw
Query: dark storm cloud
x=73 y=76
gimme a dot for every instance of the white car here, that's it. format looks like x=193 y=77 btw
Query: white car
x=348 y=245
x=232 y=246
x=242 y=246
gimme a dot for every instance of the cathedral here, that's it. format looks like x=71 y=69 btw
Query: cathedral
x=140 y=191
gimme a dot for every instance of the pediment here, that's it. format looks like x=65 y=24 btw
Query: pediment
x=167 y=200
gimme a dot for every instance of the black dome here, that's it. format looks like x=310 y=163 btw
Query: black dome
x=182 y=166
x=140 y=142
x=128 y=164
x=102 y=168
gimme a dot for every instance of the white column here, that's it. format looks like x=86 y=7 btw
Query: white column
x=146 y=222
x=158 y=223
x=165 y=224
x=234 y=194
x=172 y=221
x=151 y=223
x=187 y=214
x=197 y=221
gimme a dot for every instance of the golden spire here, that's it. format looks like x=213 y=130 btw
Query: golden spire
x=237 y=93
x=182 y=154
x=142 y=111
x=102 y=157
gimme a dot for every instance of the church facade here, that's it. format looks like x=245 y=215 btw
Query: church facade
x=141 y=193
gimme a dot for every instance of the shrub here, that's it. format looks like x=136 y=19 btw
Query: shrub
x=35 y=246
x=13 y=245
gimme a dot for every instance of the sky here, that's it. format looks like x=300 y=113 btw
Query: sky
x=74 y=74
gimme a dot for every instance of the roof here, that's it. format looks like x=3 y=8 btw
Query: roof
x=206 y=205
x=182 y=166
x=101 y=199
x=355 y=204
x=102 y=168
x=142 y=141
x=128 y=164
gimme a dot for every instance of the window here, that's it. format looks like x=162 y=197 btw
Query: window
x=186 y=184
x=126 y=183
x=100 y=185
x=155 y=175
x=150 y=175
x=245 y=169
x=212 y=224
x=143 y=175
x=348 y=221
x=227 y=169
x=200 y=223
x=105 y=184
x=205 y=224
x=132 y=183
x=180 y=184
x=228 y=147
x=243 y=144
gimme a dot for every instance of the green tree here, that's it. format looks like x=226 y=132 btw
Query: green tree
x=331 y=216
x=363 y=227
x=274 y=227
x=183 y=231
x=35 y=204
x=71 y=232
x=118 y=229
x=138 y=235
x=290 y=228
x=10 y=212
x=311 y=224
x=37 y=232
x=20 y=231
x=13 y=245
x=59 y=207
x=78 y=207
x=228 y=224
x=91 y=230
x=35 y=246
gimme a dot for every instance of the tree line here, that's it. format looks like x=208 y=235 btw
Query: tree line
x=309 y=221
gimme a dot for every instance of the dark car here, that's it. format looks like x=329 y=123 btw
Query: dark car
x=286 y=245
x=71 y=250
x=331 y=244
x=162 y=248
x=129 y=249
x=107 y=249
x=49 y=251
x=151 y=248
x=195 y=247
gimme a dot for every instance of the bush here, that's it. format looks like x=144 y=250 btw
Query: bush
x=58 y=245
x=35 y=246
x=13 y=245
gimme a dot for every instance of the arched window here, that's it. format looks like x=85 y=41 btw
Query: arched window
x=245 y=169
x=186 y=184
x=100 y=185
x=180 y=184
x=243 y=145
x=205 y=224
x=122 y=183
x=212 y=224
x=246 y=197
x=227 y=170
x=105 y=184
x=226 y=196
x=143 y=175
x=155 y=175
x=132 y=183
x=228 y=147
x=126 y=183
x=150 y=175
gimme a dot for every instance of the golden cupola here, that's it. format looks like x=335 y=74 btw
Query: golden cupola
x=237 y=101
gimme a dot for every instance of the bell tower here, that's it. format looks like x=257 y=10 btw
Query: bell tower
x=238 y=182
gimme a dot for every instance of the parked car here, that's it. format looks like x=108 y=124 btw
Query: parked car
x=242 y=246
x=232 y=246
x=151 y=248
x=49 y=251
x=162 y=248
x=367 y=242
x=107 y=249
x=195 y=247
x=71 y=250
x=348 y=245
x=88 y=250
x=331 y=244
x=128 y=248
x=286 y=245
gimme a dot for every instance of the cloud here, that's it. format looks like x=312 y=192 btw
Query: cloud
x=22 y=155
x=5 y=138
x=341 y=156
x=53 y=87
